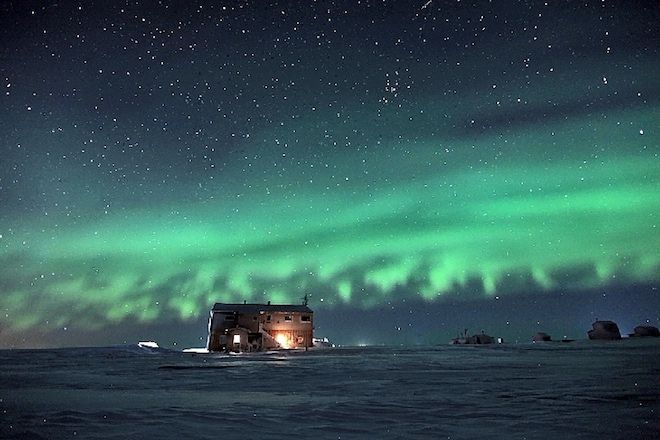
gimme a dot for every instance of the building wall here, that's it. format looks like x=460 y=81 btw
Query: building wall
x=290 y=329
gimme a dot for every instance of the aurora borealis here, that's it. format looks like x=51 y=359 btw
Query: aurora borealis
x=161 y=157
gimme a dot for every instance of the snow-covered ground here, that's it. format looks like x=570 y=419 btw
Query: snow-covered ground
x=581 y=390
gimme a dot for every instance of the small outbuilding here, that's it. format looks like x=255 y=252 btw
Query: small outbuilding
x=541 y=337
x=256 y=327
x=478 y=339
x=642 y=331
x=604 y=330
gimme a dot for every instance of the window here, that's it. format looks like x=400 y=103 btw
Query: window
x=306 y=318
x=288 y=318
x=268 y=318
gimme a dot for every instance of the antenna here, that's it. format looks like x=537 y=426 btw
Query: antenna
x=305 y=300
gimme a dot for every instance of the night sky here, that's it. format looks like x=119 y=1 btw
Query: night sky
x=415 y=167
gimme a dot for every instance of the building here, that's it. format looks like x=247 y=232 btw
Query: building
x=541 y=337
x=256 y=327
x=606 y=330
x=478 y=339
x=642 y=331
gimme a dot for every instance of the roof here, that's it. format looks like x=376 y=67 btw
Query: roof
x=257 y=308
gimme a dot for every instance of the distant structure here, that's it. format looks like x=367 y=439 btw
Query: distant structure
x=323 y=343
x=541 y=337
x=478 y=339
x=604 y=330
x=256 y=327
x=642 y=331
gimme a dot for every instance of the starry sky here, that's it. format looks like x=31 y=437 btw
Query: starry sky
x=415 y=167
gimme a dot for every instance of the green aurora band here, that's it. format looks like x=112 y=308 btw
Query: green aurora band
x=516 y=224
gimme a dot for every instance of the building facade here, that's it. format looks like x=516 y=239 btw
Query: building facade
x=257 y=327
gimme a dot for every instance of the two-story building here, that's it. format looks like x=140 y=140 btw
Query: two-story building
x=256 y=327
